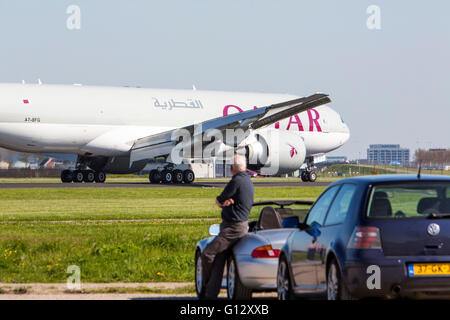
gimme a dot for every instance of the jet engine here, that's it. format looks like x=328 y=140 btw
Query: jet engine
x=275 y=152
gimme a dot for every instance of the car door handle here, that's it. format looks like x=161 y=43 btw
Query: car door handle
x=434 y=246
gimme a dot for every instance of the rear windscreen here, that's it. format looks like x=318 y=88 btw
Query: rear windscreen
x=409 y=200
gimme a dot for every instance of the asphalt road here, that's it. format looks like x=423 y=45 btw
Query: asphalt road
x=212 y=184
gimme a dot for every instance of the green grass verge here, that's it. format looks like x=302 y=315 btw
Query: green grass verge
x=132 y=252
x=43 y=231
x=350 y=169
x=126 y=203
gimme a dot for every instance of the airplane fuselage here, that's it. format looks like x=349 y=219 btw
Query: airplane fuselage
x=105 y=121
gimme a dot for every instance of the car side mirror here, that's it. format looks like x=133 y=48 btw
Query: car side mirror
x=214 y=229
x=313 y=230
x=302 y=226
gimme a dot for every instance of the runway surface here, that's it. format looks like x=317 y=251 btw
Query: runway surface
x=213 y=184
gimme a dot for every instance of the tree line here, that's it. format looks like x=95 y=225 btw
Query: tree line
x=439 y=157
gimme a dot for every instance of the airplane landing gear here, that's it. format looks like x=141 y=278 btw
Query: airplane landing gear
x=88 y=176
x=168 y=175
x=177 y=176
x=155 y=176
x=99 y=177
x=309 y=176
x=67 y=176
x=78 y=176
x=81 y=174
x=188 y=176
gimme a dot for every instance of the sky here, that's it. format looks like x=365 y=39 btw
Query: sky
x=387 y=73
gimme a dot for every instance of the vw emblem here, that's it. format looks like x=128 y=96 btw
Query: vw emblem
x=433 y=229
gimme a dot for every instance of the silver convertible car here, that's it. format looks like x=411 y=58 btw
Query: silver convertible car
x=251 y=265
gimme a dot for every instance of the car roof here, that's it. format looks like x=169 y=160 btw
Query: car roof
x=391 y=178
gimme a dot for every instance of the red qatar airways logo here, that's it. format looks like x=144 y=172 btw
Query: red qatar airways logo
x=313 y=117
x=293 y=152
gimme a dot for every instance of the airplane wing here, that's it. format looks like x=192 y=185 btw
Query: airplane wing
x=162 y=144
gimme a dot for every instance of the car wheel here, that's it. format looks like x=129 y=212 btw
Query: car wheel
x=235 y=289
x=284 y=285
x=199 y=274
x=336 y=288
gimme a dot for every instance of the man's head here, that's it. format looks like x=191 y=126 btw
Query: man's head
x=239 y=164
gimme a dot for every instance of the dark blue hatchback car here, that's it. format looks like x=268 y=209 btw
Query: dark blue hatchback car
x=377 y=236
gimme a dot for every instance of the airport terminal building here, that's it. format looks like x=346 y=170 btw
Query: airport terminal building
x=387 y=153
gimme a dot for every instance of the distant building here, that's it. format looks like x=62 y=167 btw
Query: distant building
x=387 y=153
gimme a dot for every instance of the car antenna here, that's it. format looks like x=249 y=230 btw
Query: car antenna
x=420 y=169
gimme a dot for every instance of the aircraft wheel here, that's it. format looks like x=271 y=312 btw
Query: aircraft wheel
x=188 y=176
x=89 y=176
x=177 y=176
x=66 y=176
x=312 y=176
x=78 y=176
x=155 y=176
x=99 y=177
x=304 y=176
x=167 y=176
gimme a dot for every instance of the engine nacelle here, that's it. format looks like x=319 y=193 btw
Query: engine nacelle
x=274 y=152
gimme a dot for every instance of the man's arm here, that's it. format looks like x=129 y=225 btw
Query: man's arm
x=228 y=192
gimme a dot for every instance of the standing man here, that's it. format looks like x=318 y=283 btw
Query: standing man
x=236 y=201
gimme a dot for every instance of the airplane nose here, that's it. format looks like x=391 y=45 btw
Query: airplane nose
x=346 y=133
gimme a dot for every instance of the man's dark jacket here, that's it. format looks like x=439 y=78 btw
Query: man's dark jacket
x=240 y=189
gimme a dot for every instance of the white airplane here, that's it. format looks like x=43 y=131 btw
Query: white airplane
x=118 y=130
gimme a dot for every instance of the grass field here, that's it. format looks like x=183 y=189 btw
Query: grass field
x=112 y=234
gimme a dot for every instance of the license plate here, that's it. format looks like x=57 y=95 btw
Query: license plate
x=429 y=269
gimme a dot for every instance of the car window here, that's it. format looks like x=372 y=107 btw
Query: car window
x=319 y=210
x=409 y=200
x=341 y=204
